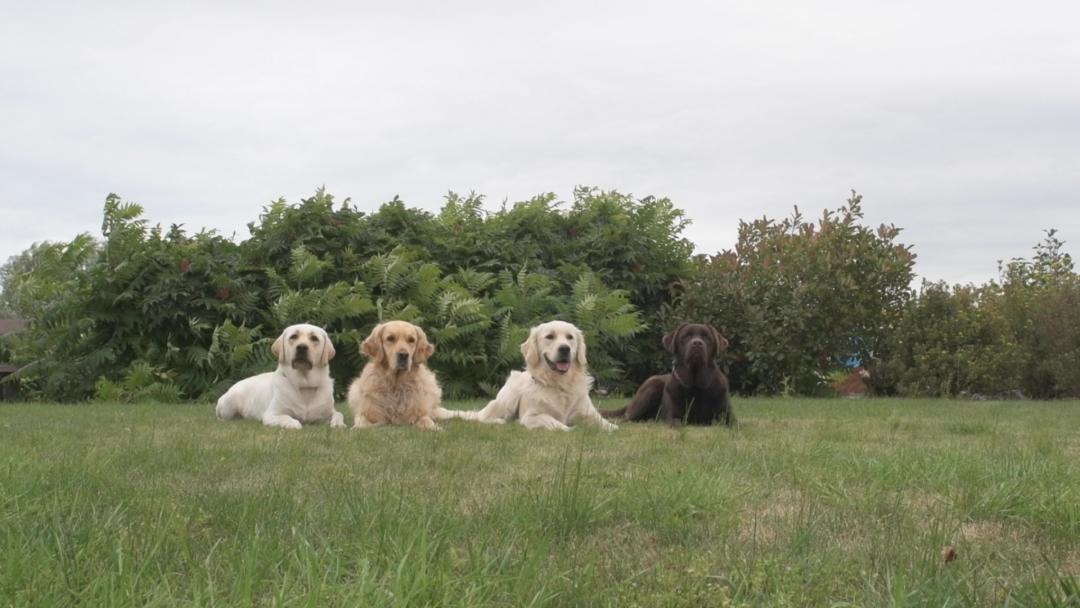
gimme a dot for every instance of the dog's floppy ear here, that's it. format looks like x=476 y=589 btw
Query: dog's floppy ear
x=424 y=349
x=372 y=345
x=721 y=341
x=669 y=338
x=278 y=348
x=581 y=360
x=529 y=350
x=328 y=350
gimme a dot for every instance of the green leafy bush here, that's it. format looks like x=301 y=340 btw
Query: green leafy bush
x=1040 y=299
x=796 y=299
x=1022 y=334
x=146 y=312
x=201 y=310
x=950 y=340
x=141 y=383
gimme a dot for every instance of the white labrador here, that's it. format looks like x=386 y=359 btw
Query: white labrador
x=552 y=392
x=299 y=391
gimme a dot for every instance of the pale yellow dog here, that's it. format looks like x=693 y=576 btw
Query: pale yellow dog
x=299 y=391
x=553 y=391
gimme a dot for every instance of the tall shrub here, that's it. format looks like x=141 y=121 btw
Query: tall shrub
x=159 y=312
x=799 y=298
x=950 y=341
x=1019 y=334
x=1041 y=298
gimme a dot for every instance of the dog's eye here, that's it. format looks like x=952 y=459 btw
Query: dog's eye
x=411 y=339
x=315 y=339
x=391 y=338
x=569 y=336
x=294 y=337
x=549 y=337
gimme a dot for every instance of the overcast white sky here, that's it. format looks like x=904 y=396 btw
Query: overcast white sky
x=958 y=121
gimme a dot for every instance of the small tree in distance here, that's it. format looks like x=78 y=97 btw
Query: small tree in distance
x=798 y=299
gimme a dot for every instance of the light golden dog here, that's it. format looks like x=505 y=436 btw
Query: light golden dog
x=553 y=391
x=395 y=386
x=299 y=391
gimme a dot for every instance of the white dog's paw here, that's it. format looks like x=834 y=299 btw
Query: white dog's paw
x=283 y=422
x=607 y=426
x=337 y=421
x=550 y=424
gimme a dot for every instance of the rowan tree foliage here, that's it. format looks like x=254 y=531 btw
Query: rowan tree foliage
x=155 y=313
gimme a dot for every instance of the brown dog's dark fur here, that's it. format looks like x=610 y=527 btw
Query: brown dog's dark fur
x=695 y=392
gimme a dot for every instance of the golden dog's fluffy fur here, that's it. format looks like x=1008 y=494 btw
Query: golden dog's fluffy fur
x=553 y=391
x=395 y=386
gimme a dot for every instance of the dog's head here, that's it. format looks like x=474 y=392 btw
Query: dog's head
x=302 y=347
x=555 y=347
x=397 y=345
x=695 y=344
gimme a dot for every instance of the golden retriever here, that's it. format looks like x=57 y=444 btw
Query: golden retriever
x=300 y=389
x=395 y=386
x=553 y=391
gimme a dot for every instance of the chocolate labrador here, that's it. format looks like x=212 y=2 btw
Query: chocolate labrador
x=695 y=392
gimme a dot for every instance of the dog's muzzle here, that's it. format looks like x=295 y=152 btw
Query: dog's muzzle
x=301 y=360
x=696 y=350
x=560 y=365
x=402 y=362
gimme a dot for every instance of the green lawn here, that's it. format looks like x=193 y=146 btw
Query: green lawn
x=808 y=502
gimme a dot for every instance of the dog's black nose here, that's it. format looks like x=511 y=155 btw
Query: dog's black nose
x=564 y=351
x=697 y=342
x=402 y=358
x=301 y=349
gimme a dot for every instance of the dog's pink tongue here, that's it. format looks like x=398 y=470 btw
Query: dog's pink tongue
x=563 y=366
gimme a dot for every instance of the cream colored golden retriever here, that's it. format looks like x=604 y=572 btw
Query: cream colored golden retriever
x=300 y=389
x=395 y=386
x=553 y=391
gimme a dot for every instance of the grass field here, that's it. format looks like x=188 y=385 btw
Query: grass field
x=807 y=503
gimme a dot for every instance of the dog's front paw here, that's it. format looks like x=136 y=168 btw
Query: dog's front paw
x=290 y=423
x=337 y=421
x=428 y=424
x=608 y=427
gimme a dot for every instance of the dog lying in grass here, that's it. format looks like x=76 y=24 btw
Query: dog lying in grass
x=395 y=386
x=553 y=391
x=299 y=391
x=695 y=392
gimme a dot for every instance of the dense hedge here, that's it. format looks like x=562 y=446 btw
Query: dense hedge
x=148 y=312
x=800 y=299
x=145 y=312
x=1016 y=337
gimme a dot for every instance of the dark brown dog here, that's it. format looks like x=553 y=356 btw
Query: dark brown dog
x=695 y=392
